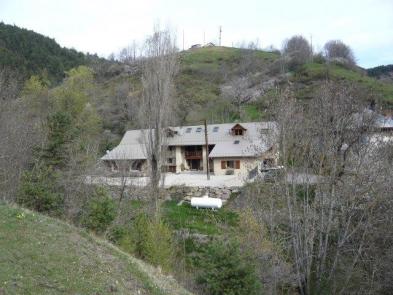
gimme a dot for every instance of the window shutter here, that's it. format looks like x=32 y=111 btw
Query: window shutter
x=223 y=164
x=237 y=164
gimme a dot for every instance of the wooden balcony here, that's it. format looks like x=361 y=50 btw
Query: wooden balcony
x=190 y=155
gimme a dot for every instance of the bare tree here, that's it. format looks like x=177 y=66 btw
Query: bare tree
x=21 y=132
x=10 y=83
x=239 y=91
x=159 y=67
x=297 y=50
x=338 y=50
x=323 y=208
x=329 y=186
x=130 y=53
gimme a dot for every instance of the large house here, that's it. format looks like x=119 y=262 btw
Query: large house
x=233 y=148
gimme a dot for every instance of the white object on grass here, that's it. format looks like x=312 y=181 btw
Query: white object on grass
x=206 y=202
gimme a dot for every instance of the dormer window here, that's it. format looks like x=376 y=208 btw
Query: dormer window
x=238 y=130
x=199 y=129
x=215 y=129
x=188 y=130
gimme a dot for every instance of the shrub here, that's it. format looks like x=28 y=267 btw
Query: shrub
x=100 y=211
x=158 y=246
x=139 y=234
x=38 y=191
x=116 y=233
x=151 y=241
x=319 y=58
x=227 y=271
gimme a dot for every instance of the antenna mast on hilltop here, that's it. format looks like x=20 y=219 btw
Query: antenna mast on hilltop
x=183 y=39
x=219 y=37
x=312 y=50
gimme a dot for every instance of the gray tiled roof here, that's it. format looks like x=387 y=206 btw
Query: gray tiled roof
x=255 y=141
x=126 y=151
x=243 y=148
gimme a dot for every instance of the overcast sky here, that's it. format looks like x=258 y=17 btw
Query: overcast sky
x=102 y=26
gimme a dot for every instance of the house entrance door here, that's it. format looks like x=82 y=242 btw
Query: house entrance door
x=195 y=164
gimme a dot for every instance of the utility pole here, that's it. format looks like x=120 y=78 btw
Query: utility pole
x=183 y=40
x=203 y=44
x=312 y=51
x=134 y=49
x=219 y=37
x=207 y=153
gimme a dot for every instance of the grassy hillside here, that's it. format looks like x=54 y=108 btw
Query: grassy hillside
x=314 y=73
x=41 y=255
x=204 y=72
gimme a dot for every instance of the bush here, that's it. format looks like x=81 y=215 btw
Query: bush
x=139 y=234
x=227 y=271
x=100 y=211
x=146 y=239
x=319 y=58
x=116 y=233
x=38 y=191
x=149 y=240
x=153 y=242
x=158 y=245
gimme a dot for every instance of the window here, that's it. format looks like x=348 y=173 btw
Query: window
x=188 y=130
x=199 y=129
x=236 y=142
x=230 y=164
x=170 y=160
x=238 y=130
x=215 y=129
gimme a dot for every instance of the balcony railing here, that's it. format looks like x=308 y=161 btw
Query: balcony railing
x=193 y=154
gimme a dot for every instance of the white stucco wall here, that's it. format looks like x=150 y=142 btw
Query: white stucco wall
x=246 y=164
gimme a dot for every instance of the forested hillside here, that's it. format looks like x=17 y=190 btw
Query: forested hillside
x=384 y=73
x=28 y=53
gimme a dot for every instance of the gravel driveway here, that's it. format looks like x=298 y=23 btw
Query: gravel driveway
x=171 y=179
